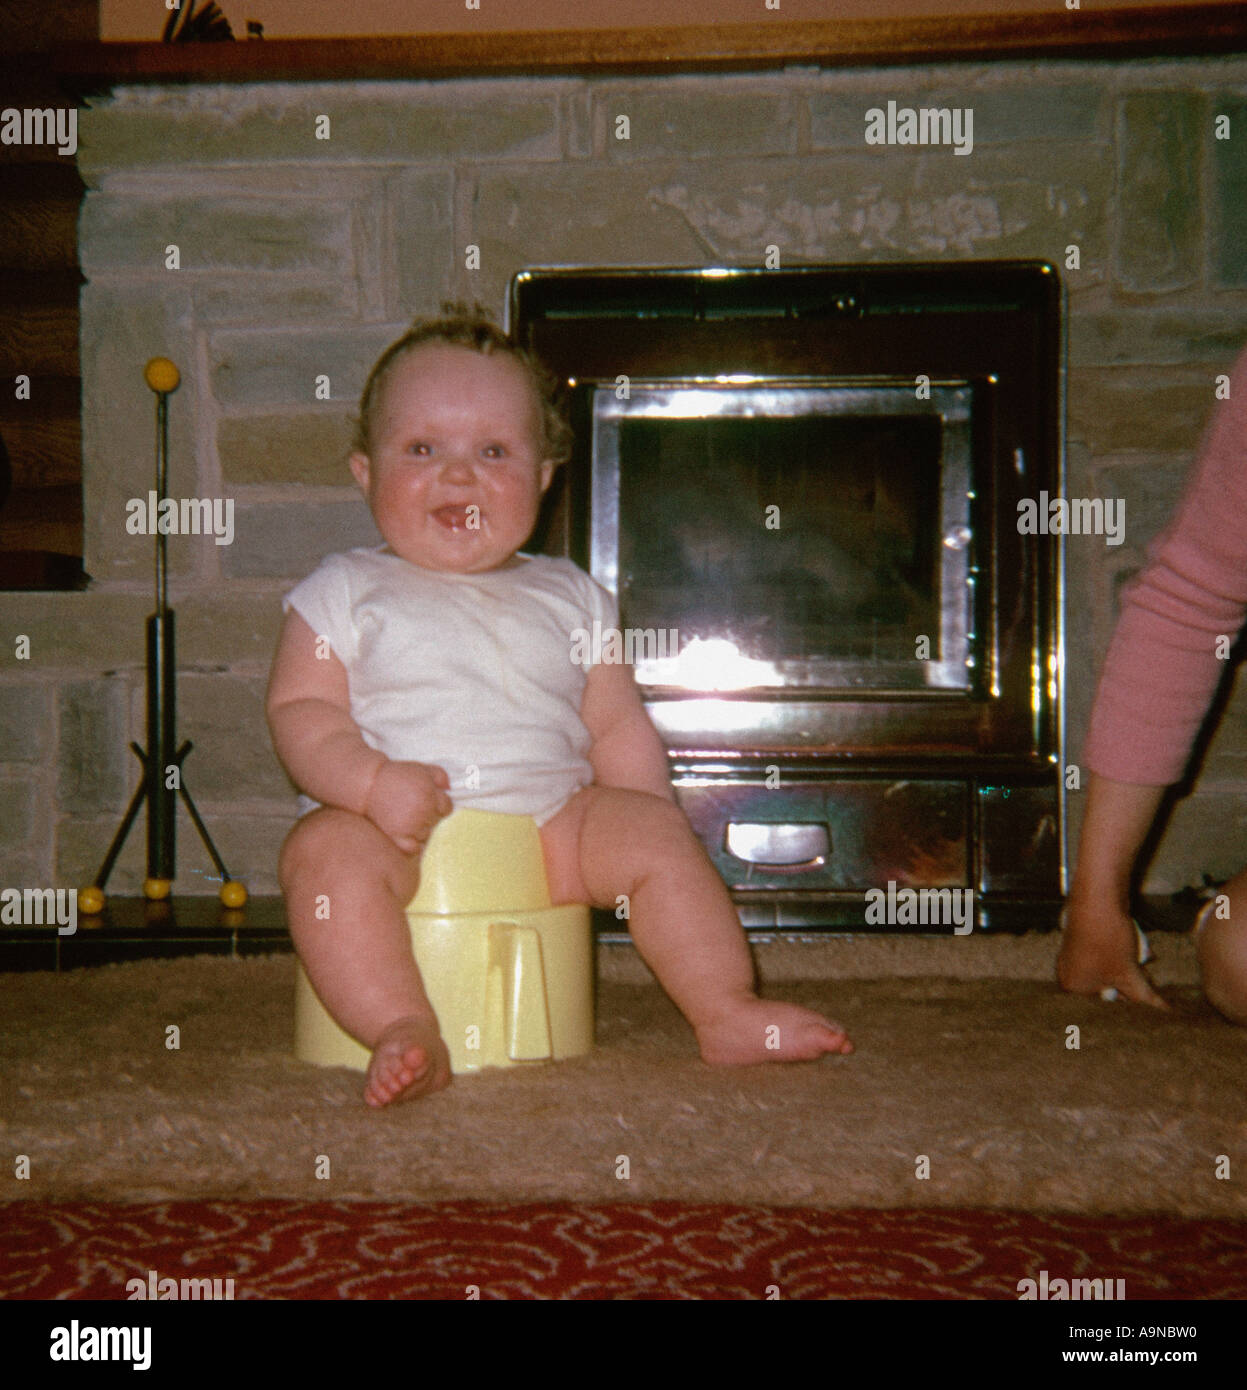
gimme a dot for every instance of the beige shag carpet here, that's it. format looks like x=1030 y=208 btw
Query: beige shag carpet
x=974 y=1073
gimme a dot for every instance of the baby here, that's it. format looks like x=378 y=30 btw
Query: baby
x=446 y=653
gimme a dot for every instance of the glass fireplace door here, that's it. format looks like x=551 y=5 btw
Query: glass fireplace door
x=788 y=535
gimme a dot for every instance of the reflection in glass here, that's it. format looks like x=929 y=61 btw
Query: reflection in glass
x=808 y=537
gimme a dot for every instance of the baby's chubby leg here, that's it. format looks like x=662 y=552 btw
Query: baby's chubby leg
x=346 y=884
x=607 y=842
x=1221 y=942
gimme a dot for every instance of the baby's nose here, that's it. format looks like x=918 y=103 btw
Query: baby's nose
x=457 y=465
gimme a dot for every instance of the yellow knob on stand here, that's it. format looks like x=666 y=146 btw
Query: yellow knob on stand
x=233 y=893
x=90 y=901
x=161 y=375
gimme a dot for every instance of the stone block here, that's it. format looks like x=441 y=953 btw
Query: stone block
x=289 y=540
x=1090 y=567
x=285 y=298
x=95 y=767
x=692 y=117
x=373 y=122
x=89 y=631
x=1030 y=109
x=261 y=368
x=436 y=121
x=1206 y=834
x=232 y=760
x=423 y=254
x=20 y=813
x=229 y=625
x=1133 y=409
x=215 y=234
x=270 y=449
x=248 y=841
x=868 y=207
x=25 y=721
x=1227 y=169
x=1084 y=566
x=576 y=117
x=82 y=843
x=1158 y=194
x=1160 y=336
x=1151 y=488
x=1223 y=764
x=123 y=326
x=30 y=869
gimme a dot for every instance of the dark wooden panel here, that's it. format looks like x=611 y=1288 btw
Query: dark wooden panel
x=39 y=324
x=40 y=194
x=56 y=181
x=47 y=520
x=38 y=233
x=44 y=450
x=49 y=395
x=1197 y=28
x=30 y=26
x=39 y=156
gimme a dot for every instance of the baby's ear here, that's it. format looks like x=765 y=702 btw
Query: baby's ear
x=548 y=469
x=361 y=468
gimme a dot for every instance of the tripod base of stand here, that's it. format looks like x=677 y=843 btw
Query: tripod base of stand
x=91 y=899
x=156 y=887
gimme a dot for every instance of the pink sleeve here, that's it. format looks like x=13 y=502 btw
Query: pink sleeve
x=1162 y=668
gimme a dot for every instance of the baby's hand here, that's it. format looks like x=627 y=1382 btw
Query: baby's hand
x=406 y=802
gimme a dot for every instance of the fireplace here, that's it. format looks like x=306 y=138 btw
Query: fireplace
x=803 y=488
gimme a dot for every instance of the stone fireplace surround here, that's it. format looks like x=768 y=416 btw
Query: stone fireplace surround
x=300 y=258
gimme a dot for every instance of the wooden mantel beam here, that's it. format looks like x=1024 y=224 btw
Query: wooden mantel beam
x=1208 y=28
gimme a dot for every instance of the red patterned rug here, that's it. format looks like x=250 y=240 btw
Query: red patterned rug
x=666 y=1251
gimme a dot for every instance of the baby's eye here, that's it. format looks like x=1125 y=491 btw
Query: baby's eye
x=495 y=451
x=420 y=448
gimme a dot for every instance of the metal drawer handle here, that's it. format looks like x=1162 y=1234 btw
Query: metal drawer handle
x=779 y=846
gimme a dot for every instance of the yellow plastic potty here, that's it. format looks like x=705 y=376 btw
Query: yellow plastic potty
x=509 y=977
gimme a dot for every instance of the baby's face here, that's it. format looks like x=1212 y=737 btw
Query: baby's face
x=456 y=474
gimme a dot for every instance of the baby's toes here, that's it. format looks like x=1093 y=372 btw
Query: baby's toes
x=393 y=1071
x=835 y=1039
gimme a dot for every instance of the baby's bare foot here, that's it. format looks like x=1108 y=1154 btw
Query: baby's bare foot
x=409 y=1060
x=759 y=1030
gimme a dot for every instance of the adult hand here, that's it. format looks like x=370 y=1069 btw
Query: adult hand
x=1100 y=950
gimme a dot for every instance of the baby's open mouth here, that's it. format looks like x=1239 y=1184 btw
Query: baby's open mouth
x=455 y=518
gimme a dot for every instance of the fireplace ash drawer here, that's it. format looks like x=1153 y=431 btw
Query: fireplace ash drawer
x=843 y=834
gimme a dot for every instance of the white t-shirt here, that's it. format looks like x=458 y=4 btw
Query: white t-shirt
x=473 y=673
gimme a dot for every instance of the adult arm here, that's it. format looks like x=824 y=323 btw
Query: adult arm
x=1099 y=947
x=1164 y=663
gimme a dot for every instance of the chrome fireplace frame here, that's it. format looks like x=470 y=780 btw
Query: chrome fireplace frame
x=810 y=788
x=771 y=398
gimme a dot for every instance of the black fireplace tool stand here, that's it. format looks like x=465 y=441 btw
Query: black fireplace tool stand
x=163 y=758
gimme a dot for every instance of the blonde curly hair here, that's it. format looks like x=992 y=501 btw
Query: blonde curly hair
x=470 y=326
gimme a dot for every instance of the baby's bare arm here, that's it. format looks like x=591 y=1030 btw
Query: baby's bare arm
x=309 y=716
x=321 y=747
x=626 y=751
